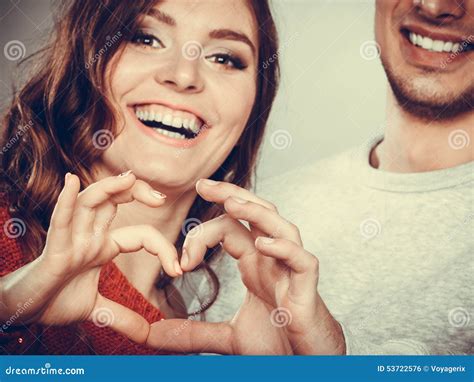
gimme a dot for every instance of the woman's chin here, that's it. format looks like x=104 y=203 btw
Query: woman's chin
x=170 y=180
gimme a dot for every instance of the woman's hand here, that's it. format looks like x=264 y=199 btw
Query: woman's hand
x=280 y=275
x=63 y=281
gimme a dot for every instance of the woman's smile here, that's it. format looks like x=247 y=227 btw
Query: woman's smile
x=176 y=126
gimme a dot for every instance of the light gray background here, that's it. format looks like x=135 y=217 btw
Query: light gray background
x=331 y=97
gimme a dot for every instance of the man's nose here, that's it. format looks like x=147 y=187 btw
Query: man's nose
x=441 y=10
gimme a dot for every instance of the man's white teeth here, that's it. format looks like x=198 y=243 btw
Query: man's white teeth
x=434 y=45
x=169 y=119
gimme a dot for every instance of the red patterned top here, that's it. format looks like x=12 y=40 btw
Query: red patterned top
x=83 y=338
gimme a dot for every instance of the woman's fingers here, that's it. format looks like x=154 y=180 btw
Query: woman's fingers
x=230 y=233
x=93 y=196
x=121 y=319
x=140 y=191
x=59 y=228
x=219 y=192
x=133 y=238
x=116 y=189
x=266 y=220
x=189 y=336
x=304 y=265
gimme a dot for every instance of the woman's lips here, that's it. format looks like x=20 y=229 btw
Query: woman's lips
x=175 y=142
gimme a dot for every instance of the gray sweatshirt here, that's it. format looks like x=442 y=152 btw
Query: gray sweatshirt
x=395 y=250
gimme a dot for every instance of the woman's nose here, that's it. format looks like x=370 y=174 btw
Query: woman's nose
x=181 y=72
x=441 y=10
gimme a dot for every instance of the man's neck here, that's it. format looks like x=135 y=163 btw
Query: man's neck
x=413 y=145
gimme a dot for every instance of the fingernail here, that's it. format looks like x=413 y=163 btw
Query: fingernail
x=66 y=177
x=158 y=194
x=124 y=174
x=208 y=182
x=239 y=200
x=177 y=268
x=265 y=240
x=184 y=258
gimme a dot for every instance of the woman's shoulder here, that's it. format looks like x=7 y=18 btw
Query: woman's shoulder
x=11 y=230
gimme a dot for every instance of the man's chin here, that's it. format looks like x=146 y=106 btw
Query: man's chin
x=429 y=107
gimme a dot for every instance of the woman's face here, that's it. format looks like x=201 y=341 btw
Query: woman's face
x=185 y=85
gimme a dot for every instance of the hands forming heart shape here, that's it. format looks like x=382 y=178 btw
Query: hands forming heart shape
x=282 y=312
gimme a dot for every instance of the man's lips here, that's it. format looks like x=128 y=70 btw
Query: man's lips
x=436 y=41
x=437 y=34
x=434 y=49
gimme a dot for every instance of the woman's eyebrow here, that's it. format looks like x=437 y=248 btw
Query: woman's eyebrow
x=229 y=34
x=222 y=34
x=161 y=16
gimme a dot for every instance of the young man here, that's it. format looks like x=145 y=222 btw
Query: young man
x=392 y=223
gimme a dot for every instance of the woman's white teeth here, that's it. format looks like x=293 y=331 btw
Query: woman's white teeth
x=434 y=45
x=169 y=133
x=169 y=119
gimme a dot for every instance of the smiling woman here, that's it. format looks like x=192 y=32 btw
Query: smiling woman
x=163 y=93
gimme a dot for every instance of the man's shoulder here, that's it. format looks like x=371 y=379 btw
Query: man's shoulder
x=333 y=169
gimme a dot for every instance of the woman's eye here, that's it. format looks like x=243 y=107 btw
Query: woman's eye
x=227 y=60
x=147 y=40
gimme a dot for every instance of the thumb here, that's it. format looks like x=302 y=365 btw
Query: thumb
x=120 y=319
x=189 y=336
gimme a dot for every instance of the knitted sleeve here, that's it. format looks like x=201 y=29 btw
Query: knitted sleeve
x=14 y=338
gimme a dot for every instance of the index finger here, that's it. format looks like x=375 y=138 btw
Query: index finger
x=120 y=319
x=219 y=192
x=189 y=336
x=120 y=189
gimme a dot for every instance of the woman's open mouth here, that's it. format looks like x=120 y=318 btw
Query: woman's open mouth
x=174 y=124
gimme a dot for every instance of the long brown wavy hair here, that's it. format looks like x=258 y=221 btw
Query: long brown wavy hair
x=53 y=117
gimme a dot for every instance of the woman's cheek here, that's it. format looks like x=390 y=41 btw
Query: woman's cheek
x=237 y=102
